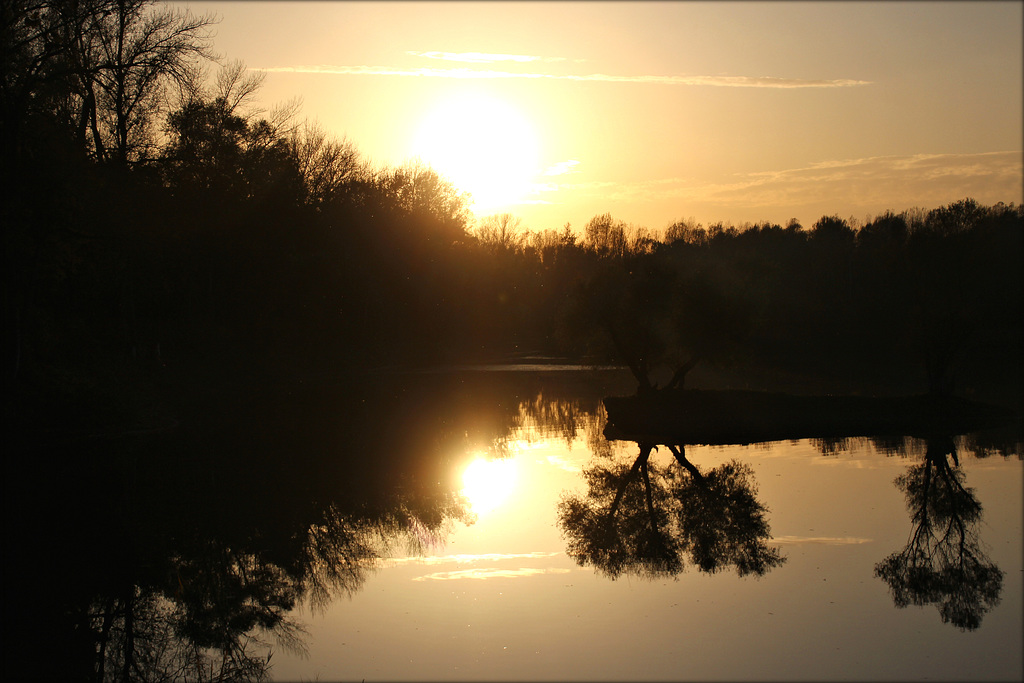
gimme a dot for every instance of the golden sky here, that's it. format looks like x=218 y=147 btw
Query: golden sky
x=655 y=112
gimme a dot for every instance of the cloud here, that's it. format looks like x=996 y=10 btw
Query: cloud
x=742 y=81
x=895 y=180
x=562 y=167
x=466 y=559
x=482 y=57
x=478 y=573
x=821 y=540
x=467 y=73
x=490 y=573
x=883 y=182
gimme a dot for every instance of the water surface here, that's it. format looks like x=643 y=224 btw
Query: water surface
x=861 y=582
x=476 y=524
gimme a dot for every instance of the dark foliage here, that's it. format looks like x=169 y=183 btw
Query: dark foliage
x=944 y=562
x=652 y=521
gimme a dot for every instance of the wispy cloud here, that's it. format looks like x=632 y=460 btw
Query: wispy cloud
x=821 y=540
x=491 y=573
x=468 y=73
x=893 y=182
x=482 y=57
x=934 y=178
x=468 y=571
x=468 y=559
x=562 y=167
x=923 y=166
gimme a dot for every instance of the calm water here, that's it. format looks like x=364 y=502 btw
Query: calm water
x=477 y=525
x=520 y=593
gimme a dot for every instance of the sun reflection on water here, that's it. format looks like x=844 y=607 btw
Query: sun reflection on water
x=488 y=483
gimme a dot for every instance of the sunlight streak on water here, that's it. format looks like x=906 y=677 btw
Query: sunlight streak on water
x=488 y=483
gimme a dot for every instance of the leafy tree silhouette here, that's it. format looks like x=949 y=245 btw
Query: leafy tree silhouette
x=943 y=563
x=650 y=520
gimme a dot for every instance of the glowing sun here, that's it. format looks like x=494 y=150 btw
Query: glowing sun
x=488 y=483
x=483 y=145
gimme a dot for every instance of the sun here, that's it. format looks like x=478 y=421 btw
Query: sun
x=488 y=483
x=484 y=145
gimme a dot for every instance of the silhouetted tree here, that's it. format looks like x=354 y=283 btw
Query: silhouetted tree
x=137 y=639
x=618 y=528
x=605 y=235
x=629 y=309
x=103 y=67
x=648 y=520
x=327 y=166
x=47 y=54
x=955 y=218
x=687 y=231
x=833 y=230
x=943 y=563
x=425 y=198
x=501 y=232
x=216 y=148
x=143 y=50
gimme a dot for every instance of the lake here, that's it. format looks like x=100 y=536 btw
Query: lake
x=478 y=525
x=500 y=598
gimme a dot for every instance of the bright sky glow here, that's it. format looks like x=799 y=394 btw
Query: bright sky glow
x=660 y=111
x=483 y=145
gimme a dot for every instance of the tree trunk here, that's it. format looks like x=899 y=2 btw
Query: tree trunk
x=637 y=364
x=645 y=452
x=680 y=453
x=679 y=377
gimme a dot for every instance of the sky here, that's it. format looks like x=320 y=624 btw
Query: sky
x=656 y=112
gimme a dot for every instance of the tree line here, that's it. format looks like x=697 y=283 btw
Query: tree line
x=159 y=223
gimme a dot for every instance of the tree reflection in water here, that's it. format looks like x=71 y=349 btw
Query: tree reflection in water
x=943 y=563
x=206 y=614
x=203 y=631
x=647 y=519
x=193 y=548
